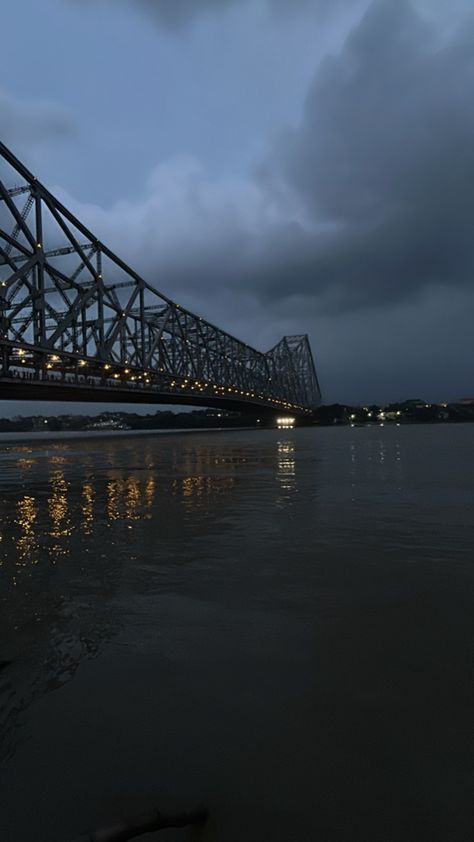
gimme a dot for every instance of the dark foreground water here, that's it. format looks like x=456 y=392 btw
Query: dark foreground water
x=277 y=624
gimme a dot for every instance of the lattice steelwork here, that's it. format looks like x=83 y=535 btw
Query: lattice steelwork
x=77 y=323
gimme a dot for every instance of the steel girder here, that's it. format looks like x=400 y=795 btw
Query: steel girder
x=71 y=311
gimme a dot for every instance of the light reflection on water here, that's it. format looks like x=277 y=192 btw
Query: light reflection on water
x=72 y=521
x=83 y=530
x=67 y=502
x=286 y=473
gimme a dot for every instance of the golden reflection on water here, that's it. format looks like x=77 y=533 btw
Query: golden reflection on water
x=25 y=464
x=286 y=470
x=195 y=490
x=124 y=498
x=133 y=499
x=114 y=499
x=193 y=486
x=87 y=507
x=150 y=490
x=27 y=542
x=59 y=512
x=43 y=525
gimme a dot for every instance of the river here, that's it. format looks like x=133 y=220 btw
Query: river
x=278 y=624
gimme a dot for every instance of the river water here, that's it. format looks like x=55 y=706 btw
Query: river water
x=278 y=624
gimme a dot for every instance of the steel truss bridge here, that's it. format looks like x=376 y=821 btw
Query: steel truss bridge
x=77 y=323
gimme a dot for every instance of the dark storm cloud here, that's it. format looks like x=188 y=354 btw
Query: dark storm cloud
x=176 y=15
x=367 y=202
x=26 y=123
x=179 y=13
x=384 y=158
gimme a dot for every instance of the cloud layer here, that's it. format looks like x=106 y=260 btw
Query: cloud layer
x=177 y=15
x=26 y=123
x=367 y=201
x=355 y=226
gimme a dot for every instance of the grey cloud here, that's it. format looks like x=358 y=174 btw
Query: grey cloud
x=24 y=124
x=176 y=15
x=367 y=202
x=179 y=13
x=384 y=160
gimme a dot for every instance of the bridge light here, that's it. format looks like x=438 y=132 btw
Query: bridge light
x=127 y=371
x=55 y=359
x=106 y=366
x=49 y=365
x=116 y=376
x=285 y=423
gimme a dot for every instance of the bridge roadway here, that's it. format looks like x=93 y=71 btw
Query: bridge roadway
x=25 y=384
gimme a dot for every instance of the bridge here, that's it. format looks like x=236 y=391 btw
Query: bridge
x=78 y=324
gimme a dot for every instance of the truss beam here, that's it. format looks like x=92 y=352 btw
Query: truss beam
x=73 y=314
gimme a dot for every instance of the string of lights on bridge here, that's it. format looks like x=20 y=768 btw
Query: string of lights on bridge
x=116 y=372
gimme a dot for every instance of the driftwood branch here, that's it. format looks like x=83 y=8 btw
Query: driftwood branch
x=146 y=823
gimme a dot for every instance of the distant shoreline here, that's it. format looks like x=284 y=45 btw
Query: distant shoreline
x=77 y=435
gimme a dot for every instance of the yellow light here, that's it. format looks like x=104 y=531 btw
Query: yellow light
x=107 y=366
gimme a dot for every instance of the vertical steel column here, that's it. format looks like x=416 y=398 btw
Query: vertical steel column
x=39 y=301
x=100 y=303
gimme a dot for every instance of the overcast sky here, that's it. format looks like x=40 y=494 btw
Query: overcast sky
x=279 y=166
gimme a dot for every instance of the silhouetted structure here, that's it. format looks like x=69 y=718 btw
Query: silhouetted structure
x=77 y=323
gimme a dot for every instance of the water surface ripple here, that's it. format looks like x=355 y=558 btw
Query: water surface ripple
x=277 y=623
